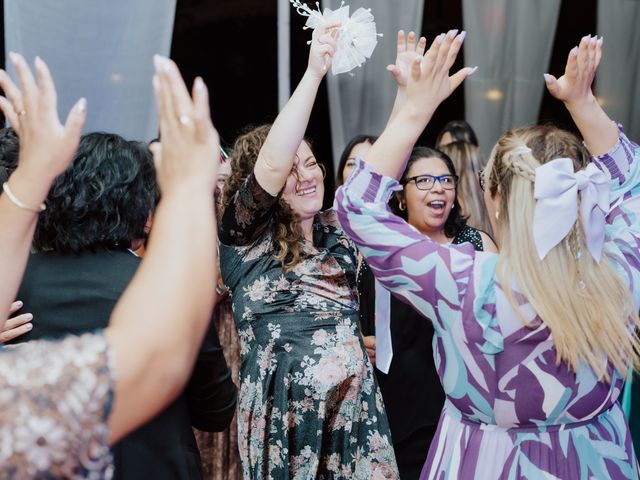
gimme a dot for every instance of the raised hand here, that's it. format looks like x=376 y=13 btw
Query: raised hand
x=323 y=47
x=429 y=80
x=16 y=326
x=407 y=51
x=575 y=84
x=187 y=154
x=46 y=145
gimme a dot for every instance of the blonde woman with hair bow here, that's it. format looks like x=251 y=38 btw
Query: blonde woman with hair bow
x=532 y=344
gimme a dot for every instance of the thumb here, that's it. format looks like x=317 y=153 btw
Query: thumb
x=460 y=76
x=552 y=84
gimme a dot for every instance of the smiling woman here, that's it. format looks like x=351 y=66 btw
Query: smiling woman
x=310 y=406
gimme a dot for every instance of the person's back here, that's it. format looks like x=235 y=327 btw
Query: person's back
x=96 y=211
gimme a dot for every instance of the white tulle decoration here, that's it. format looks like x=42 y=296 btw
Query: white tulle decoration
x=357 y=38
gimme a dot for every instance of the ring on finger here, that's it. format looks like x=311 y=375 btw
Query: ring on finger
x=184 y=119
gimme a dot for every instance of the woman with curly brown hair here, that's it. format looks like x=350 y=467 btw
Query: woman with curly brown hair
x=310 y=406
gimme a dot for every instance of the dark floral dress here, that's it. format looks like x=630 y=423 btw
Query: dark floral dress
x=309 y=403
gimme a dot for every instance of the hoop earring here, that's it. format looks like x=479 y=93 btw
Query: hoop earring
x=402 y=206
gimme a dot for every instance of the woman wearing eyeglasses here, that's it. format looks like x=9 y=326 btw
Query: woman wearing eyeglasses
x=429 y=203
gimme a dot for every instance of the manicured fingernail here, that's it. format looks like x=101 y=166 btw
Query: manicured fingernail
x=37 y=61
x=155 y=81
x=473 y=70
x=13 y=56
x=157 y=62
x=548 y=79
x=574 y=51
x=81 y=106
x=199 y=84
x=19 y=303
x=28 y=327
x=462 y=35
x=453 y=33
x=440 y=38
x=28 y=316
x=593 y=41
x=600 y=41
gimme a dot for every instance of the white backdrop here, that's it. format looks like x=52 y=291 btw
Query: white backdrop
x=361 y=104
x=618 y=80
x=101 y=50
x=511 y=42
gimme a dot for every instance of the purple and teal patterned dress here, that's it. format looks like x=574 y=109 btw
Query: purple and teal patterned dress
x=309 y=405
x=511 y=411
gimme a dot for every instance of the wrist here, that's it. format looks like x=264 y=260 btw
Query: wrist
x=30 y=187
x=311 y=75
x=586 y=102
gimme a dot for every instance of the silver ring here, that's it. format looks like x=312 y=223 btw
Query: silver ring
x=184 y=119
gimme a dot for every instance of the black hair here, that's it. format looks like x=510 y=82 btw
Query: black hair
x=102 y=200
x=357 y=140
x=9 y=148
x=459 y=130
x=455 y=222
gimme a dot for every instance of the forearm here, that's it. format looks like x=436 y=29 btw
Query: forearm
x=18 y=226
x=600 y=133
x=392 y=149
x=158 y=324
x=398 y=103
x=276 y=155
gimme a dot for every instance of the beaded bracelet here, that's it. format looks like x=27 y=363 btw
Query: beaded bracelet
x=20 y=204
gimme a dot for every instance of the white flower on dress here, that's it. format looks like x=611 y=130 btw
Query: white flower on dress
x=42 y=441
x=330 y=372
x=257 y=289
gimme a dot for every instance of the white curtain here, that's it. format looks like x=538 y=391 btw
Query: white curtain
x=96 y=49
x=361 y=103
x=618 y=80
x=510 y=41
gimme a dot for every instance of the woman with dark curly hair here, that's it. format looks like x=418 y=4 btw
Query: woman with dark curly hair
x=428 y=202
x=96 y=214
x=309 y=403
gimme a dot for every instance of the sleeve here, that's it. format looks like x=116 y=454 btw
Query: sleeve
x=55 y=402
x=247 y=215
x=432 y=278
x=211 y=393
x=622 y=231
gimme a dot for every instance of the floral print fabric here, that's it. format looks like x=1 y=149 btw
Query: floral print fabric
x=55 y=398
x=512 y=411
x=309 y=403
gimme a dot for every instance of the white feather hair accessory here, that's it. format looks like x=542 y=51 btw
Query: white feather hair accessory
x=357 y=38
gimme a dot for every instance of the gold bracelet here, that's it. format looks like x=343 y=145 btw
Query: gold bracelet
x=18 y=203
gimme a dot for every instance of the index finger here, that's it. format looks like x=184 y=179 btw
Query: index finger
x=27 y=82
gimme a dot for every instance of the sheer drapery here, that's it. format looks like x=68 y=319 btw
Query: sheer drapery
x=100 y=50
x=618 y=80
x=360 y=102
x=511 y=42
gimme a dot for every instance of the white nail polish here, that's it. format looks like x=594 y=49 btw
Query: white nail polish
x=81 y=106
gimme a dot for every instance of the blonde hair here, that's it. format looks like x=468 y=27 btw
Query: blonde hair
x=586 y=306
x=285 y=226
x=468 y=163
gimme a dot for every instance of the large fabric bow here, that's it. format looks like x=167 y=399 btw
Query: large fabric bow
x=556 y=191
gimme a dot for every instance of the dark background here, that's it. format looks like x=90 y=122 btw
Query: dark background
x=232 y=44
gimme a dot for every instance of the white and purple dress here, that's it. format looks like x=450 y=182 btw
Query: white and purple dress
x=511 y=411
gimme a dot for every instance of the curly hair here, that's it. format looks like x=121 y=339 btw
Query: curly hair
x=9 y=148
x=102 y=200
x=455 y=222
x=285 y=224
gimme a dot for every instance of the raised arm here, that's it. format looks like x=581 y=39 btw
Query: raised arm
x=158 y=324
x=46 y=148
x=277 y=154
x=428 y=86
x=574 y=90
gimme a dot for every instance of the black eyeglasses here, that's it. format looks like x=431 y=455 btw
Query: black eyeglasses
x=427 y=182
x=481 y=179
